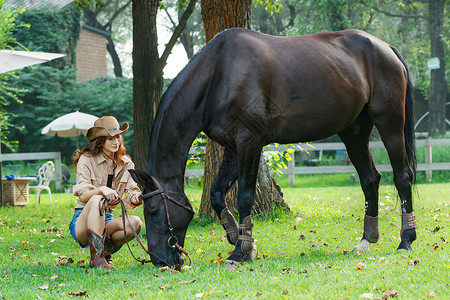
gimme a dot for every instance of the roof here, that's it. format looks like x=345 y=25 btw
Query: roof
x=37 y=4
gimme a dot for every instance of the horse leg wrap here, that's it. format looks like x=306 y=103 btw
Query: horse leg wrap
x=230 y=225
x=408 y=222
x=245 y=235
x=371 y=231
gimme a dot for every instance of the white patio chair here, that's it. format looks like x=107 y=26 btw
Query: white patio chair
x=45 y=174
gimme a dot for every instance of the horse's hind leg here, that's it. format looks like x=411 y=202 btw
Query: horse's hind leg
x=226 y=176
x=357 y=145
x=394 y=142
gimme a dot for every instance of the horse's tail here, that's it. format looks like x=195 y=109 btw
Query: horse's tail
x=409 y=120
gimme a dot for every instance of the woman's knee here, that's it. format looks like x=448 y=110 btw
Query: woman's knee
x=136 y=223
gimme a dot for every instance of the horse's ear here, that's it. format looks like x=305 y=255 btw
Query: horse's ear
x=141 y=177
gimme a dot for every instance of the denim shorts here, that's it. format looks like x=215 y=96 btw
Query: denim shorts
x=108 y=218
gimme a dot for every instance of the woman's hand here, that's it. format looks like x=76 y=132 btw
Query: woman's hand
x=110 y=194
x=133 y=202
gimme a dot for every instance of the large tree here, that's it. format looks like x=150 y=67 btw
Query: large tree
x=219 y=15
x=148 y=68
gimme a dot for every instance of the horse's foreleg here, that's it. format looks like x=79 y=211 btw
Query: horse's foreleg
x=359 y=154
x=245 y=248
x=226 y=176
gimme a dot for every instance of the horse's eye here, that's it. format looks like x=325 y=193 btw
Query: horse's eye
x=154 y=212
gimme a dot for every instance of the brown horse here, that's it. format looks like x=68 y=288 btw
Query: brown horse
x=246 y=90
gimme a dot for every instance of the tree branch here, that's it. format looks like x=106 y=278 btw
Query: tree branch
x=116 y=13
x=394 y=15
x=176 y=34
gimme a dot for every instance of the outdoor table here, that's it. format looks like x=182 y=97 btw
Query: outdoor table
x=15 y=191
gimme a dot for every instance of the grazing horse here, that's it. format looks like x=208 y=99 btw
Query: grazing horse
x=247 y=89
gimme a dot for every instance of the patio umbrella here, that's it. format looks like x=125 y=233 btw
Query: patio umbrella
x=70 y=125
x=11 y=60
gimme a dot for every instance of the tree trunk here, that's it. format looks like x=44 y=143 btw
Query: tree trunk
x=219 y=15
x=147 y=76
x=148 y=68
x=438 y=91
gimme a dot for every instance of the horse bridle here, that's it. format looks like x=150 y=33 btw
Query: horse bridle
x=172 y=241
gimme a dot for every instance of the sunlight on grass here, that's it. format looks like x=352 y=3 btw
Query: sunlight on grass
x=305 y=254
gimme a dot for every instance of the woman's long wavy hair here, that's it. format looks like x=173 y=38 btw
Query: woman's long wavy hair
x=96 y=146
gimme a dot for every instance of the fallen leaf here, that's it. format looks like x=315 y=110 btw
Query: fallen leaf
x=366 y=296
x=382 y=260
x=61 y=285
x=199 y=250
x=187 y=282
x=395 y=262
x=390 y=293
x=177 y=268
x=298 y=219
x=258 y=294
x=302 y=237
x=126 y=282
x=302 y=271
x=163 y=287
x=285 y=292
x=82 y=293
x=200 y=295
x=163 y=269
x=25 y=243
x=360 y=266
x=212 y=232
x=53 y=277
x=313 y=232
x=133 y=294
x=43 y=287
x=430 y=294
x=357 y=253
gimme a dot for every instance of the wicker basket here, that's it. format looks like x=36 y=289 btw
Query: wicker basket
x=15 y=192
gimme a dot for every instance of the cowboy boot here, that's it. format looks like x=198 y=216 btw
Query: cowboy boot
x=109 y=249
x=96 y=245
x=230 y=225
x=247 y=246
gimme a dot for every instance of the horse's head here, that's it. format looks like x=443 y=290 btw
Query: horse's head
x=166 y=220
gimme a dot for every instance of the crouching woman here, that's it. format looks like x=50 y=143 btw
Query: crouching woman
x=102 y=180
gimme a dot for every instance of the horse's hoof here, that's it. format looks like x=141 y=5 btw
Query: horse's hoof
x=363 y=246
x=404 y=247
x=230 y=262
x=252 y=255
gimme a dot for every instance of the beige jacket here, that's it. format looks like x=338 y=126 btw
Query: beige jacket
x=92 y=172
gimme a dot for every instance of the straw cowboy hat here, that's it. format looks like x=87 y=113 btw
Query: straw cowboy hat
x=106 y=126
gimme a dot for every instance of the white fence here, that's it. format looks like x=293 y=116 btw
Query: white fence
x=428 y=166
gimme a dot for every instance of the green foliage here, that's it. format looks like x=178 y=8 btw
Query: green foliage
x=277 y=160
x=55 y=31
x=51 y=93
x=8 y=94
x=199 y=145
x=271 y=6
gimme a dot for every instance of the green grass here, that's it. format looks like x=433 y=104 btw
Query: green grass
x=303 y=255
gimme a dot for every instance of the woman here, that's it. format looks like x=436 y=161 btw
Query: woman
x=102 y=180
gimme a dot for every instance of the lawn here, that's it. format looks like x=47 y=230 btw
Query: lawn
x=304 y=255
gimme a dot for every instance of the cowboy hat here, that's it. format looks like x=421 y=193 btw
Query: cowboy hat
x=106 y=126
